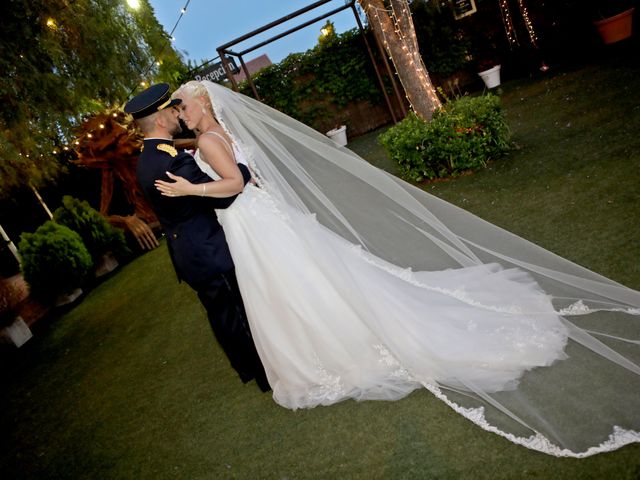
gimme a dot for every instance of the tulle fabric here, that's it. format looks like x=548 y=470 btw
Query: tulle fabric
x=359 y=285
x=332 y=322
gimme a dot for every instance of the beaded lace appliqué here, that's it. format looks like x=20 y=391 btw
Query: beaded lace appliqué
x=329 y=389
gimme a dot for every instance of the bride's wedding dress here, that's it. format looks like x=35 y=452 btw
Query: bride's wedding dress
x=333 y=321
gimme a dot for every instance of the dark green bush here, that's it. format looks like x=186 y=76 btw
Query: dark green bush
x=463 y=135
x=97 y=234
x=54 y=260
x=313 y=85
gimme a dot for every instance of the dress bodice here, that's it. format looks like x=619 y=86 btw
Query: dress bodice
x=206 y=168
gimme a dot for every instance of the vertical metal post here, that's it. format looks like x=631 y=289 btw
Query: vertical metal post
x=11 y=245
x=394 y=84
x=375 y=65
x=41 y=201
x=249 y=79
x=225 y=65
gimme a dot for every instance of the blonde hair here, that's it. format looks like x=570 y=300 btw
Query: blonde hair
x=192 y=89
x=195 y=89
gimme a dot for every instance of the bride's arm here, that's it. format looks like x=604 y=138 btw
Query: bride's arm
x=219 y=158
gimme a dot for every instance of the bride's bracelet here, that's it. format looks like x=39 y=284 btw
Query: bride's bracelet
x=204 y=189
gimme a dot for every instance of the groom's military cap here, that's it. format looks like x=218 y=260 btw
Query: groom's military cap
x=151 y=100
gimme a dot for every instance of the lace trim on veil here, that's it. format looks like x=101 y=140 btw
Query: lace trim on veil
x=244 y=149
x=618 y=438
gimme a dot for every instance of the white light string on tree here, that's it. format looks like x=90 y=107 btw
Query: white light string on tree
x=404 y=32
x=527 y=22
x=510 y=30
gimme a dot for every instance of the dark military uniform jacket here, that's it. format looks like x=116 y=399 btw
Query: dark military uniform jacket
x=196 y=241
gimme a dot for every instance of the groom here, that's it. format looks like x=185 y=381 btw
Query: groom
x=195 y=239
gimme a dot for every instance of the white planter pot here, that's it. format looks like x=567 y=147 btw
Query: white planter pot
x=338 y=135
x=491 y=77
x=67 y=298
x=107 y=265
x=18 y=332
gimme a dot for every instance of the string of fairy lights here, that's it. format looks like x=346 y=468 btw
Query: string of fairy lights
x=507 y=20
x=527 y=22
x=509 y=28
x=402 y=30
x=52 y=24
x=135 y=4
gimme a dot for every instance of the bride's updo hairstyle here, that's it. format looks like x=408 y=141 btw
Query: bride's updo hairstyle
x=195 y=89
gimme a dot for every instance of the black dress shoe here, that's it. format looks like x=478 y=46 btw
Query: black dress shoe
x=246 y=377
x=263 y=384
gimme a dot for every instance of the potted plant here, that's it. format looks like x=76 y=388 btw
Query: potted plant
x=102 y=240
x=55 y=262
x=12 y=292
x=338 y=135
x=614 y=20
x=489 y=71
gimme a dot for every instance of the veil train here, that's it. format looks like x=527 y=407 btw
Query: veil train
x=586 y=403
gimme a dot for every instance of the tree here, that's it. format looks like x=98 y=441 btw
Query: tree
x=393 y=27
x=63 y=60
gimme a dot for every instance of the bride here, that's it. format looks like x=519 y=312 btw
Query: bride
x=358 y=285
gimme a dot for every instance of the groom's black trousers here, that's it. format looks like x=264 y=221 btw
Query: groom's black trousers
x=225 y=310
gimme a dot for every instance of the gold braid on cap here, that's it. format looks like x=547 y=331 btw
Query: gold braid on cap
x=164 y=104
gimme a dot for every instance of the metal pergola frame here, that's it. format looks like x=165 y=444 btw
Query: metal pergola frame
x=224 y=50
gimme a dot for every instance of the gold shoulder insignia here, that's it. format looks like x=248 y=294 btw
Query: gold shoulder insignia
x=167 y=148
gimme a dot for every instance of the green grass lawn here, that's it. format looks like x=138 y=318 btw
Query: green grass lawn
x=129 y=383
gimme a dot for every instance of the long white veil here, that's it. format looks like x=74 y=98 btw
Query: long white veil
x=579 y=406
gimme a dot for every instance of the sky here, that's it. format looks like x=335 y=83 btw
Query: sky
x=208 y=24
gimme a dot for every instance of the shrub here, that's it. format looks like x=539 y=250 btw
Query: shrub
x=54 y=260
x=97 y=234
x=313 y=85
x=463 y=135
